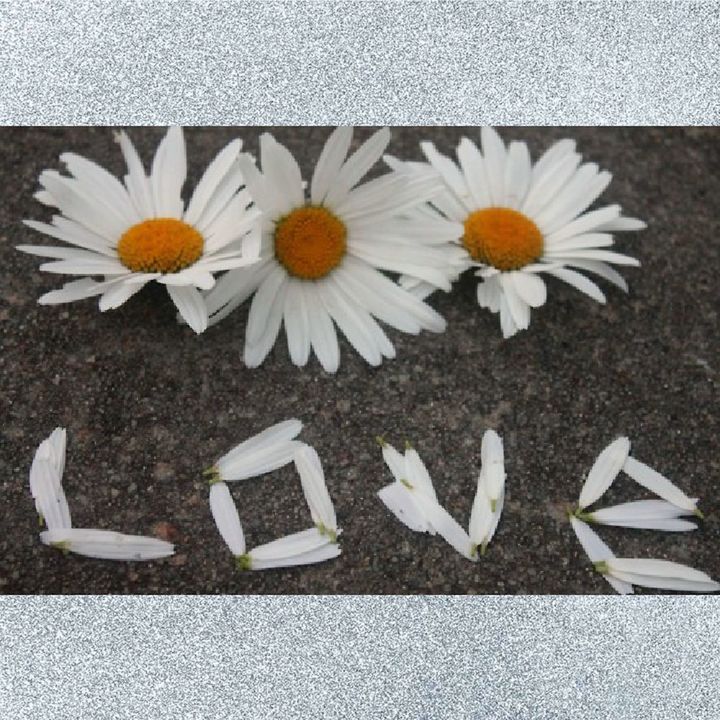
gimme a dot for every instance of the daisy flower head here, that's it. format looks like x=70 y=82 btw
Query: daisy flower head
x=133 y=232
x=322 y=255
x=517 y=221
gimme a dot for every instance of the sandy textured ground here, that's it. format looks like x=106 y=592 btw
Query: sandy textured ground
x=148 y=405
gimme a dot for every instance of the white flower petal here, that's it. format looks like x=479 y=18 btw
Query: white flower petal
x=322 y=332
x=282 y=171
x=659 y=569
x=493 y=465
x=670 y=525
x=212 y=177
x=639 y=510
x=529 y=287
x=75 y=234
x=226 y=518
x=601 y=269
x=517 y=174
x=329 y=163
x=316 y=493
x=297 y=323
x=357 y=165
x=347 y=319
x=190 y=305
x=103 y=185
x=518 y=308
x=417 y=474
x=86 y=266
x=136 y=181
x=77 y=290
x=400 y=501
x=483 y=521
x=119 y=293
x=579 y=282
x=107 y=545
x=262 y=304
x=445 y=525
x=598 y=551
x=46 y=489
x=606 y=468
x=495 y=157
x=169 y=170
x=587 y=223
x=658 y=484
x=278 y=433
x=459 y=182
x=388 y=293
x=475 y=173
x=289 y=546
x=327 y=551
x=546 y=185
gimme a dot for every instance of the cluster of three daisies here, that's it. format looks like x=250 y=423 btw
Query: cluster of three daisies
x=316 y=257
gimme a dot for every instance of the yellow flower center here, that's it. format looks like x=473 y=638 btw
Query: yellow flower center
x=163 y=245
x=310 y=242
x=503 y=238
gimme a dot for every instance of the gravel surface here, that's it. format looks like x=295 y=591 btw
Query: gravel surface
x=148 y=405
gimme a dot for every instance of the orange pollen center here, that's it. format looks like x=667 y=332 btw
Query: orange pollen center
x=310 y=242
x=503 y=238
x=163 y=245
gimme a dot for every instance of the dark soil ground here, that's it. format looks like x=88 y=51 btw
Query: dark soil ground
x=148 y=405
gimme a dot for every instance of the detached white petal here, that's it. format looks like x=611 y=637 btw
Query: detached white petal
x=269 y=450
x=301 y=548
x=658 y=484
x=658 y=574
x=604 y=471
x=483 y=519
x=446 y=526
x=493 y=466
x=643 y=514
x=106 y=544
x=46 y=481
x=329 y=551
x=226 y=518
x=394 y=460
x=598 y=552
x=401 y=502
x=316 y=493
x=417 y=474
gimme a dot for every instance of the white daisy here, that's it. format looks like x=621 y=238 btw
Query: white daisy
x=412 y=499
x=321 y=257
x=106 y=544
x=516 y=220
x=141 y=231
x=269 y=450
x=490 y=496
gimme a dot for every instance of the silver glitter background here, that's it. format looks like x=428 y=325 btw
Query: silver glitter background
x=259 y=62
x=532 y=658
x=118 y=658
